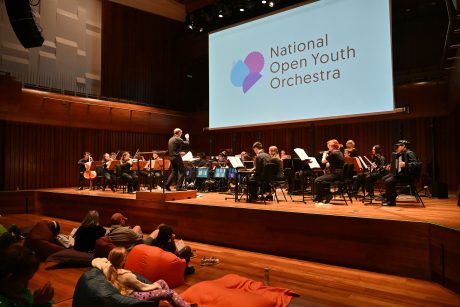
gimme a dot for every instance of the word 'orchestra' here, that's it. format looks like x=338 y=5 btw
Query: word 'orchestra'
x=253 y=176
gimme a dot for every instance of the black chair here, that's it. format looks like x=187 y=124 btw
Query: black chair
x=345 y=183
x=410 y=183
x=269 y=179
x=119 y=180
x=99 y=175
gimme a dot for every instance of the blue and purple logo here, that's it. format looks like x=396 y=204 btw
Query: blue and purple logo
x=247 y=73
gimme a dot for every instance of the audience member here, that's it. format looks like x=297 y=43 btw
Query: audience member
x=17 y=266
x=129 y=285
x=164 y=238
x=89 y=231
x=122 y=235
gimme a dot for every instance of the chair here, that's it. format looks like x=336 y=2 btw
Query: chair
x=155 y=263
x=410 y=183
x=345 y=183
x=120 y=181
x=268 y=177
x=99 y=175
x=93 y=289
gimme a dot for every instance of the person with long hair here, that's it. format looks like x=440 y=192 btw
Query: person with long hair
x=89 y=231
x=128 y=284
x=276 y=159
x=126 y=172
x=377 y=169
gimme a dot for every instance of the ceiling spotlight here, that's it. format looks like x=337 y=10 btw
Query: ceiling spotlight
x=221 y=15
x=271 y=4
x=201 y=29
x=264 y=1
x=241 y=9
x=190 y=26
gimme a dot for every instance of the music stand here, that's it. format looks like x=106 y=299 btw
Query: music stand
x=163 y=164
x=144 y=163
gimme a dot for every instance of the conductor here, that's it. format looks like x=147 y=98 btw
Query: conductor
x=175 y=146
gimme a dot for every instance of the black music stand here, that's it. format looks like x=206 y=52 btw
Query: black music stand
x=149 y=164
x=162 y=155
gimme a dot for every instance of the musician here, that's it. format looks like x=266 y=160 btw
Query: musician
x=350 y=144
x=336 y=161
x=82 y=165
x=377 y=169
x=175 y=146
x=244 y=156
x=113 y=155
x=403 y=168
x=255 y=182
x=275 y=159
x=126 y=172
x=109 y=175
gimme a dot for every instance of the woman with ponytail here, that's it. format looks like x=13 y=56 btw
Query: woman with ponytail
x=129 y=285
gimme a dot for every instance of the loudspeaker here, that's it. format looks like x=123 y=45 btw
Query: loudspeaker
x=23 y=23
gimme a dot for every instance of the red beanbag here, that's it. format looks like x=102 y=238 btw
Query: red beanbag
x=154 y=263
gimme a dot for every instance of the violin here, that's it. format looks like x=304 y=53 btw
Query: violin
x=88 y=174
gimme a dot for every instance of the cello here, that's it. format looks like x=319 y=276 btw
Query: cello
x=89 y=174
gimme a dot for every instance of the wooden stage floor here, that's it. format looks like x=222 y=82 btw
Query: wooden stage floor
x=443 y=212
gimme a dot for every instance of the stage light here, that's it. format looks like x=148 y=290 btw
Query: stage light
x=221 y=15
x=271 y=4
x=241 y=9
x=201 y=29
x=264 y=1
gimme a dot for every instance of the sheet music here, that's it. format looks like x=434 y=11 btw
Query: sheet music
x=188 y=157
x=301 y=153
x=363 y=163
x=303 y=156
x=235 y=162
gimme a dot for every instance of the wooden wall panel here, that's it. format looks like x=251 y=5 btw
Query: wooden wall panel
x=139 y=59
x=39 y=156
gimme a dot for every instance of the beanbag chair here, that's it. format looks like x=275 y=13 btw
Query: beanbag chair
x=93 y=289
x=42 y=241
x=103 y=247
x=235 y=290
x=72 y=257
x=154 y=263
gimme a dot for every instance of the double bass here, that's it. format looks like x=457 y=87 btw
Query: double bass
x=89 y=174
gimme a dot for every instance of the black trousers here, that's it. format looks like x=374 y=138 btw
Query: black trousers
x=370 y=181
x=132 y=181
x=109 y=178
x=177 y=172
x=390 y=182
x=323 y=184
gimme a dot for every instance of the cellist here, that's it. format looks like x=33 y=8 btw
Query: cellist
x=82 y=165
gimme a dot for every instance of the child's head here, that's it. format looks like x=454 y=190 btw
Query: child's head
x=17 y=267
x=117 y=257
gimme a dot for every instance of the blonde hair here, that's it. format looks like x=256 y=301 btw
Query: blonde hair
x=91 y=219
x=273 y=151
x=117 y=258
x=177 y=131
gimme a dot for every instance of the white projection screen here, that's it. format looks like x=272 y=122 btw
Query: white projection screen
x=324 y=59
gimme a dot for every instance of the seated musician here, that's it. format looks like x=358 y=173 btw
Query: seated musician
x=155 y=178
x=109 y=175
x=377 y=169
x=275 y=159
x=336 y=161
x=404 y=166
x=283 y=155
x=143 y=173
x=82 y=165
x=244 y=156
x=126 y=172
x=350 y=145
x=255 y=181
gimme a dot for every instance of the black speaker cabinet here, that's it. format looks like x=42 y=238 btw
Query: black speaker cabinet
x=23 y=23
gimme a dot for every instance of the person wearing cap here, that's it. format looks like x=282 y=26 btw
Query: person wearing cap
x=122 y=235
x=403 y=167
x=175 y=145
